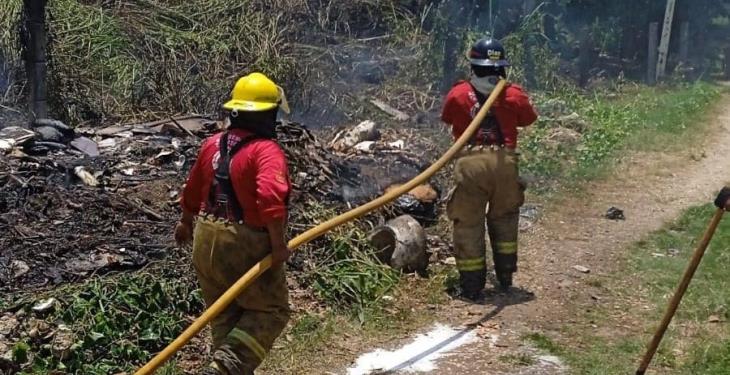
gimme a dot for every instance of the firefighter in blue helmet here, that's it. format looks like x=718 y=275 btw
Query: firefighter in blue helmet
x=486 y=173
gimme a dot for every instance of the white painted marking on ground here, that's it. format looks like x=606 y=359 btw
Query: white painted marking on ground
x=418 y=356
x=551 y=359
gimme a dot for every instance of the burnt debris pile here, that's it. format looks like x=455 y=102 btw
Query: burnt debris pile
x=107 y=199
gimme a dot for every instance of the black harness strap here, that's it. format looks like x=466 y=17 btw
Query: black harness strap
x=490 y=123
x=222 y=195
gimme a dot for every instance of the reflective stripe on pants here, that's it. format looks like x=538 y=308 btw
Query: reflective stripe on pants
x=248 y=340
x=471 y=264
x=506 y=248
x=486 y=179
x=245 y=331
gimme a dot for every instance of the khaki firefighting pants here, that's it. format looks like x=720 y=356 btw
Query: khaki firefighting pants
x=485 y=177
x=244 y=332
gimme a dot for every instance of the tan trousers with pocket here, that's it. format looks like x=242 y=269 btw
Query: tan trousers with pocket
x=244 y=332
x=487 y=177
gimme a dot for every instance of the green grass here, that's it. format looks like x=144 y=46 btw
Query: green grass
x=119 y=321
x=597 y=356
x=517 y=359
x=306 y=335
x=626 y=118
x=643 y=117
x=344 y=271
x=122 y=60
x=692 y=345
x=336 y=334
x=141 y=59
x=709 y=292
x=87 y=42
x=116 y=323
x=543 y=342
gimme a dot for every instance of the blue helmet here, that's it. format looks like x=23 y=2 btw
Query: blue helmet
x=488 y=52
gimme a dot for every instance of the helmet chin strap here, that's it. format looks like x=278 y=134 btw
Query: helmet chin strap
x=485 y=85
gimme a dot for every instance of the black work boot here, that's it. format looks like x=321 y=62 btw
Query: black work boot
x=472 y=284
x=505 y=280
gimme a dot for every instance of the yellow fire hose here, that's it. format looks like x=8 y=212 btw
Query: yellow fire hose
x=230 y=295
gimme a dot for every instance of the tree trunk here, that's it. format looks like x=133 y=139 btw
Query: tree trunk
x=455 y=15
x=585 y=58
x=36 y=61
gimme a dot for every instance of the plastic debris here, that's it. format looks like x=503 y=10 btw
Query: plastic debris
x=86 y=145
x=13 y=136
x=581 y=269
x=45 y=305
x=398 y=145
x=366 y=146
x=85 y=176
x=364 y=131
x=614 y=213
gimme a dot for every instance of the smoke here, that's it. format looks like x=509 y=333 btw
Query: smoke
x=343 y=78
x=374 y=177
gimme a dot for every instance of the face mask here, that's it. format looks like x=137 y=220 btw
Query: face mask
x=484 y=85
x=262 y=124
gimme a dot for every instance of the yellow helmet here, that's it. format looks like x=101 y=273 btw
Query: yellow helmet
x=255 y=93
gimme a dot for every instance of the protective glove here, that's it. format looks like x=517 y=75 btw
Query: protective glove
x=279 y=254
x=183 y=233
x=723 y=199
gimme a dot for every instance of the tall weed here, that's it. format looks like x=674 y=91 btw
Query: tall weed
x=347 y=274
x=116 y=323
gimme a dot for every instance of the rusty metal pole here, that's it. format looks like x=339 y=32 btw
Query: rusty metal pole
x=35 y=59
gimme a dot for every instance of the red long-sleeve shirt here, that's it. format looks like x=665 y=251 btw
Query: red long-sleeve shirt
x=259 y=175
x=512 y=109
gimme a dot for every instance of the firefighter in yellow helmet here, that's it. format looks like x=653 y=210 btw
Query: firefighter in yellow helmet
x=237 y=195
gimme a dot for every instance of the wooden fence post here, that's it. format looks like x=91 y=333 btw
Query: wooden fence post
x=652 y=55
x=661 y=64
x=585 y=57
x=684 y=43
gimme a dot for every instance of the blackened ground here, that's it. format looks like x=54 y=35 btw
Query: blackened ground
x=56 y=229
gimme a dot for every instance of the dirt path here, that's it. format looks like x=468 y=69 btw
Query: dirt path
x=651 y=187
